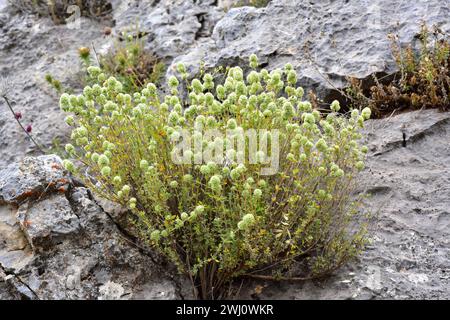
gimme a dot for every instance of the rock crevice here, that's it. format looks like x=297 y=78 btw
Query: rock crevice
x=59 y=242
x=63 y=245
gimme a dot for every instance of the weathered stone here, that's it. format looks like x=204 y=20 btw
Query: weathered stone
x=18 y=289
x=75 y=249
x=118 y=213
x=162 y=290
x=60 y=9
x=48 y=222
x=31 y=179
x=30 y=48
x=326 y=41
x=15 y=252
x=111 y=291
x=4 y=291
x=10 y=233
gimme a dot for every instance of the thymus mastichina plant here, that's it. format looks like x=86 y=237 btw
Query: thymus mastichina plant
x=221 y=217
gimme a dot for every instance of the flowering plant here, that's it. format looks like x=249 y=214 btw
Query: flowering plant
x=204 y=200
x=423 y=80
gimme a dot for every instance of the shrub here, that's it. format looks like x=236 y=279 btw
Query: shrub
x=423 y=80
x=59 y=10
x=223 y=219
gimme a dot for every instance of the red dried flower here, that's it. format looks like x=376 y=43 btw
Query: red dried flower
x=29 y=128
x=18 y=115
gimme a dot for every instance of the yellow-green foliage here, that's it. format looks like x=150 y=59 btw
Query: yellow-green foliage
x=252 y=3
x=218 y=221
x=127 y=60
x=131 y=64
x=56 y=84
x=423 y=80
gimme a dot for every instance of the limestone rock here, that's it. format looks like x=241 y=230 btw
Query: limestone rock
x=172 y=26
x=63 y=245
x=326 y=41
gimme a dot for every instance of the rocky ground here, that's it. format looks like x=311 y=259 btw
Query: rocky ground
x=409 y=257
x=57 y=242
x=42 y=214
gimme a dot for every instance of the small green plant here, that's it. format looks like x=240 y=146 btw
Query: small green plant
x=131 y=63
x=251 y=3
x=127 y=60
x=57 y=147
x=85 y=60
x=423 y=80
x=196 y=182
x=60 y=10
x=54 y=83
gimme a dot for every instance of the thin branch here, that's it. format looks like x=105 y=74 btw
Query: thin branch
x=272 y=278
x=20 y=124
x=95 y=53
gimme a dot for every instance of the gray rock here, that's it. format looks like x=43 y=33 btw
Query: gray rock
x=4 y=292
x=48 y=222
x=326 y=41
x=12 y=237
x=162 y=290
x=30 y=48
x=15 y=251
x=173 y=26
x=409 y=256
x=65 y=246
x=61 y=8
x=111 y=291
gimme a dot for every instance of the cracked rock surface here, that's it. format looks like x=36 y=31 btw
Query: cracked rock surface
x=342 y=38
x=63 y=245
x=325 y=40
x=60 y=244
